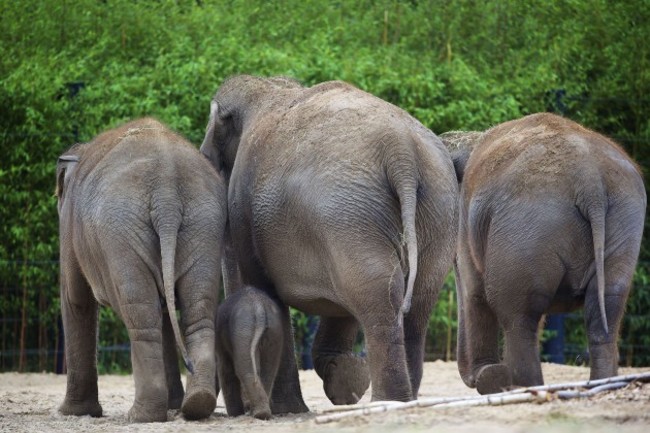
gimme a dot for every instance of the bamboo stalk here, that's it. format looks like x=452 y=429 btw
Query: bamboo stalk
x=483 y=400
x=541 y=393
x=641 y=377
x=593 y=391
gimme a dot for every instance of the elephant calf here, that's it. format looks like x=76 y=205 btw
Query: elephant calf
x=249 y=338
x=141 y=222
x=551 y=218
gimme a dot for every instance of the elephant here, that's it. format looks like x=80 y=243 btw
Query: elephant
x=344 y=206
x=551 y=218
x=249 y=332
x=142 y=216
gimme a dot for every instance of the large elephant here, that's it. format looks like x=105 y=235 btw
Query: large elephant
x=551 y=219
x=141 y=218
x=344 y=206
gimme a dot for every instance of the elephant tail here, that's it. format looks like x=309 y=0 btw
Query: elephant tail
x=596 y=213
x=402 y=175
x=168 y=232
x=261 y=324
x=592 y=203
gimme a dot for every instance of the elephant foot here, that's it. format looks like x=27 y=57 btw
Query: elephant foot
x=263 y=413
x=199 y=403
x=80 y=408
x=345 y=379
x=493 y=378
x=288 y=404
x=139 y=413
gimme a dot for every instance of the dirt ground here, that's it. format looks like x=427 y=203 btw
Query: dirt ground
x=28 y=402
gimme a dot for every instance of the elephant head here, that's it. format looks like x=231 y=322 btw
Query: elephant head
x=234 y=105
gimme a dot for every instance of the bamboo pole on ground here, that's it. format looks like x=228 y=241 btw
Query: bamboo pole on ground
x=538 y=394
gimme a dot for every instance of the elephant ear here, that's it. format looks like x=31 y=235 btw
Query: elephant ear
x=64 y=169
x=210 y=147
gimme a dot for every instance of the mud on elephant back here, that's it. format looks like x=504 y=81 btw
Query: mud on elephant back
x=343 y=206
x=551 y=219
x=141 y=222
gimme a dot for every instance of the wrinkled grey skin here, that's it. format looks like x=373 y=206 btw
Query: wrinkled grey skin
x=343 y=206
x=141 y=219
x=249 y=336
x=551 y=219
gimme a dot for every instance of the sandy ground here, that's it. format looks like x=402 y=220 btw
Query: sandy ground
x=28 y=402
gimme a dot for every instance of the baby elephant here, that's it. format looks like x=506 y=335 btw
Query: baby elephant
x=249 y=338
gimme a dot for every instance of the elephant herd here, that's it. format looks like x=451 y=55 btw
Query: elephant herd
x=335 y=202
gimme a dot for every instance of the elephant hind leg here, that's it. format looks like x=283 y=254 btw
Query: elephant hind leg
x=416 y=322
x=478 y=331
x=144 y=325
x=388 y=369
x=520 y=316
x=79 y=310
x=287 y=396
x=603 y=346
x=197 y=294
x=248 y=368
x=229 y=383
x=478 y=349
x=345 y=375
x=270 y=363
x=521 y=349
x=379 y=315
x=527 y=286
